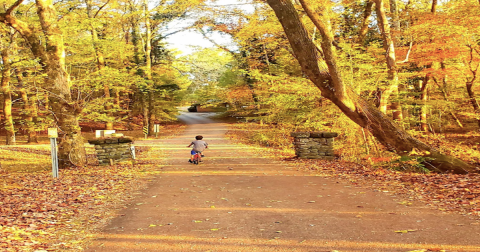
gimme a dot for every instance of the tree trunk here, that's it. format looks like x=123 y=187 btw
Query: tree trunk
x=46 y=102
x=396 y=107
x=353 y=106
x=148 y=39
x=151 y=116
x=28 y=110
x=148 y=69
x=136 y=41
x=51 y=53
x=7 y=97
x=70 y=147
x=395 y=20
x=443 y=90
x=434 y=6
x=473 y=100
x=366 y=21
x=116 y=101
x=145 y=111
x=469 y=84
x=100 y=64
x=389 y=46
x=424 y=99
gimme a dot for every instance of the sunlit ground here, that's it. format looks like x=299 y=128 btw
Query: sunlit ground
x=31 y=158
x=182 y=243
x=25 y=159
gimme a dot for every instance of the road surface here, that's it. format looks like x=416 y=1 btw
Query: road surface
x=237 y=200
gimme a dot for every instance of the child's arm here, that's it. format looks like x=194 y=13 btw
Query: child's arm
x=190 y=145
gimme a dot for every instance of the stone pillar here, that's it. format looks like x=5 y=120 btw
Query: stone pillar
x=112 y=149
x=314 y=145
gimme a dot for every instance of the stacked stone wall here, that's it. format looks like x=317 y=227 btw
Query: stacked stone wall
x=314 y=145
x=112 y=150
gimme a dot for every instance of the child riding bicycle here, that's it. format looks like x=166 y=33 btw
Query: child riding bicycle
x=198 y=147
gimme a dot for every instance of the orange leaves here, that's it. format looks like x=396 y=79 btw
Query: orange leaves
x=240 y=94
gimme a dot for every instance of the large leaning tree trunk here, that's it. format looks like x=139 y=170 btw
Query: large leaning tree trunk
x=51 y=53
x=325 y=75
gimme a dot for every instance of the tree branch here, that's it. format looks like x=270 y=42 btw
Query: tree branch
x=215 y=43
x=408 y=53
x=175 y=32
x=94 y=16
x=328 y=50
x=13 y=7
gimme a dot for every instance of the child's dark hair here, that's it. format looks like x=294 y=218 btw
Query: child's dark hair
x=199 y=137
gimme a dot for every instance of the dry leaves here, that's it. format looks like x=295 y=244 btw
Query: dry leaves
x=447 y=192
x=38 y=212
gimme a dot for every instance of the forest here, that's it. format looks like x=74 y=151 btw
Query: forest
x=396 y=79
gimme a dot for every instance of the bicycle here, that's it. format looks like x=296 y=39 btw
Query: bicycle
x=197 y=157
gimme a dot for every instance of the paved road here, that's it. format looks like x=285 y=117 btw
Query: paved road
x=239 y=201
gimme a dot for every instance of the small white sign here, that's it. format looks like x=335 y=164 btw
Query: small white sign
x=103 y=133
x=106 y=133
x=52 y=133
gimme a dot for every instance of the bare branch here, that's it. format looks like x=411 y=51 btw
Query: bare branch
x=215 y=43
x=108 y=1
x=175 y=32
x=408 y=53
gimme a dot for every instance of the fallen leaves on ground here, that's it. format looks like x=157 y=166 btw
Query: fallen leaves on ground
x=38 y=212
x=446 y=192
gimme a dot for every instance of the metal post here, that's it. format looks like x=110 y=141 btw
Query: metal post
x=157 y=129
x=53 y=143
x=52 y=134
x=132 y=151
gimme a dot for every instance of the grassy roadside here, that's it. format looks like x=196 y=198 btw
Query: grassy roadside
x=445 y=192
x=39 y=213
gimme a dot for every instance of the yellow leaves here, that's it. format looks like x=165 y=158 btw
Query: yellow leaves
x=417 y=152
x=405 y=231
x=405 y=203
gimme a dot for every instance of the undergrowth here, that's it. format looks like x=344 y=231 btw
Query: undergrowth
x=354 y=144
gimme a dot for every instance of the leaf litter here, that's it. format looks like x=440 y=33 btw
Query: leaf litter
x=40 y=213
